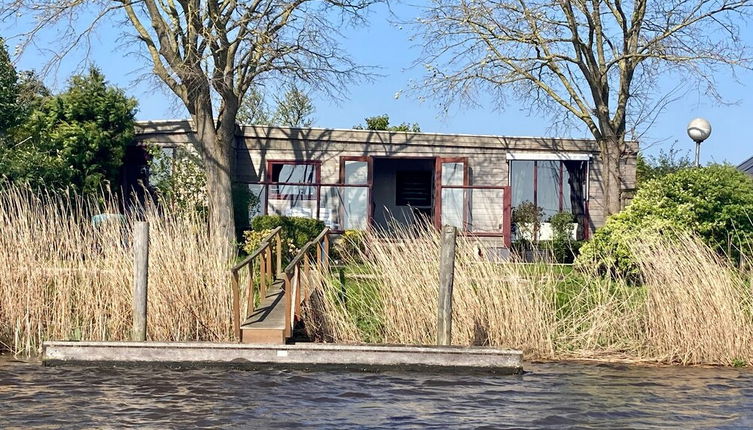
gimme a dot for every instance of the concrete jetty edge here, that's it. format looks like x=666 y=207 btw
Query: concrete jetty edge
x=299 y=355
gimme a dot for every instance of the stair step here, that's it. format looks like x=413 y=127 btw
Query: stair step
x=267 y=323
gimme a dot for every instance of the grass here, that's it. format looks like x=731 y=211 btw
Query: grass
x=691 y=307
x=66 y=278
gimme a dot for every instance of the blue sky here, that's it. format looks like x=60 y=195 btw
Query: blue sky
x=387 y=45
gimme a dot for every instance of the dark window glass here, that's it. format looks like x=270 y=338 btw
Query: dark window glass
x=413 y=188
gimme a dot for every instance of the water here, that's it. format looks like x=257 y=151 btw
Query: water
x=551 y=395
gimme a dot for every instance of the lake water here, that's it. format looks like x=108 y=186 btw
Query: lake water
x=549 y=395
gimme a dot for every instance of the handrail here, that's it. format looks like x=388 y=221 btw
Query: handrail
x=265 y=242
x=265 y=250
x=297 y=276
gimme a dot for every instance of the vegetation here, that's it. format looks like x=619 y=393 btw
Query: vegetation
x=714 y=202
x=296 y=231
x=590 y=64
x=692 y=307
x=382 y=122
x=209 y=54
x=67 y=278
x=10 y=108
x=75 y=140
x=293 y=109
x=666 y=162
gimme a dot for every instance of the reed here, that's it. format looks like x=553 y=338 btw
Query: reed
x=691 y=306
x=63 y=277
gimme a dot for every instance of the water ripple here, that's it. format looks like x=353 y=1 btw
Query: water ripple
x=549 y=395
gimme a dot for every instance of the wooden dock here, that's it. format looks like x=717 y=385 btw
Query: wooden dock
x=302 y=355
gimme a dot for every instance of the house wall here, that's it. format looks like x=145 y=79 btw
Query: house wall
x=487 y=155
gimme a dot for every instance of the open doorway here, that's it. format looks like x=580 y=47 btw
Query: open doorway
x=403 y=190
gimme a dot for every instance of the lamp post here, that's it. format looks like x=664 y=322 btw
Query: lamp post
x=699 y=130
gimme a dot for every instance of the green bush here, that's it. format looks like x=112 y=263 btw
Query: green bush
x=350 y=246
x=298 y=230
x=714 y=202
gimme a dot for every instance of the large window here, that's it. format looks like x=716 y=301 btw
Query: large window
x=553 y=185
x=289 y=179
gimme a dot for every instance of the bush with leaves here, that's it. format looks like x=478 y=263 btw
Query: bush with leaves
x=295 y=230
x=75 y=140
x=349 y=246
x=714 y=202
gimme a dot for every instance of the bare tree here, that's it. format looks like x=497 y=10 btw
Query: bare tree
x=597 y=62
x=210 y=52
x=294 y=108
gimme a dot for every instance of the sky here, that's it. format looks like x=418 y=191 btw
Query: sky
x=387 y=46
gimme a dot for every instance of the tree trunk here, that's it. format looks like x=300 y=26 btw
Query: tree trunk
x=218 y=167
x=611 y=152
x=216 y=147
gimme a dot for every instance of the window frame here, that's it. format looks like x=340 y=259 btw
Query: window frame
x=312 y=195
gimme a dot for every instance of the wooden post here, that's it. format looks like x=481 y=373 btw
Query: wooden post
x=287 y=302
x=236 y=307
x=278 y=242
x=325 y=251
x=446 y=278
x=250 y=299
x=262 y=271
x=270 y=271
x=140 y=279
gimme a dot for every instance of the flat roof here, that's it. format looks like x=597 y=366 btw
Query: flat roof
x=176 y=126
x=747 y=165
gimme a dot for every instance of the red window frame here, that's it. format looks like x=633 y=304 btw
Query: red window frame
x=312 y=195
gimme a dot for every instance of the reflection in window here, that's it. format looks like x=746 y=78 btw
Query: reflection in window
x=549 y=184
x=290 y=172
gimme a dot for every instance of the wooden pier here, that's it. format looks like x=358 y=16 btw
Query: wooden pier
x=302 y=355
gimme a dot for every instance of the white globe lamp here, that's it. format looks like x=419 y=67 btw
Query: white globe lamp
x=699 y=130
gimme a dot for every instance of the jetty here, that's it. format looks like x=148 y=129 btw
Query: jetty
x=264 y=315
x=306 y=355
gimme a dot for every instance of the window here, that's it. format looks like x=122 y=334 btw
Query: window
x=296 y=174
x=552 y=185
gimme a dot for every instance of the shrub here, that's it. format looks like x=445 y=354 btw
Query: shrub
x=350 y=246
x=714 y=202
x=564 y=248
x=252 y=240
x=526 y=218
x=298 y=230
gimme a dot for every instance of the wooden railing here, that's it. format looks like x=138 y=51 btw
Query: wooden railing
x=272 y=244
x=311 y=262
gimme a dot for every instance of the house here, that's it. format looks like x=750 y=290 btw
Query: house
x=358 y=179
x=747 y=166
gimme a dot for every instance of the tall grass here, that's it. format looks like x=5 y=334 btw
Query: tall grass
x=63 y=277
x=690 y=306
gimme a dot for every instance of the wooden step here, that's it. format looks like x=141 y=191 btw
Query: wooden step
x=267 y=324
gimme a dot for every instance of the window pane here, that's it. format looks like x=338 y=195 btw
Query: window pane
x=344 y=208
x=548 y=187
x=485 y=210
x=453 y=173
x=452 y=207
x=293 y=173
x=521 y=173
x=567 y=204
x=356 y=172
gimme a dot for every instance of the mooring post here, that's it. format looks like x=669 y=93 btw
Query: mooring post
x=140 y=279
x=446 y=278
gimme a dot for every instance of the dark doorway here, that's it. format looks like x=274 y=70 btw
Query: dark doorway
x=403 y=190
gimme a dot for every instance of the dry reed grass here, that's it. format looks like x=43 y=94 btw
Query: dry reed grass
x=691 y=308
x=65 y=278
